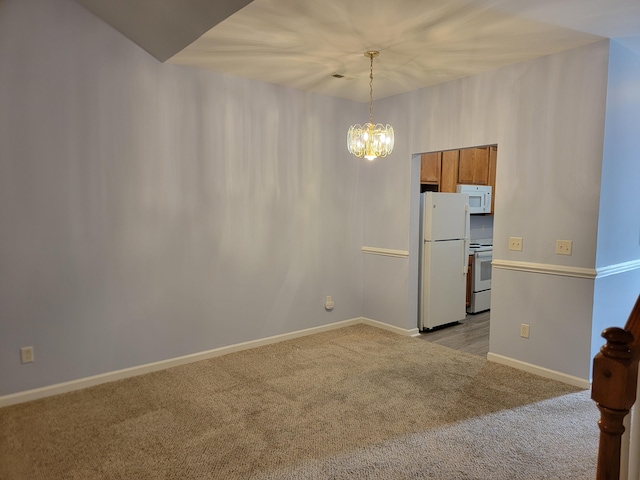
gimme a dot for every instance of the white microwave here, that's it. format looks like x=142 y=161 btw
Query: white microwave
x=479 y=197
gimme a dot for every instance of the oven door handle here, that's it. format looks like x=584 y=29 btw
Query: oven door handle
x=481 y=255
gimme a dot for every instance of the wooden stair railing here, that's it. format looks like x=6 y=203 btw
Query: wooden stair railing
x=615 y=377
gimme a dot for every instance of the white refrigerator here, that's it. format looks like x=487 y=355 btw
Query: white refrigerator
x=444 y=258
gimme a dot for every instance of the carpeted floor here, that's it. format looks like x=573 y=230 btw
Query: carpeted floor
x=353 y=403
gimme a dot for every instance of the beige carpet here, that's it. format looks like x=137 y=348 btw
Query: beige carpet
x=357 y=402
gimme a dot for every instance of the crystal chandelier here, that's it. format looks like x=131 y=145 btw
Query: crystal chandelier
x=370 y=140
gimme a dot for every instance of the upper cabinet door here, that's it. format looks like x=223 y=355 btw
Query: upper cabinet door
x=430 y=168
x=474 y=166
x=449 y=171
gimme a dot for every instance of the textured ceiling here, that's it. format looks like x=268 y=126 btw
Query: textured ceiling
x=303 y=43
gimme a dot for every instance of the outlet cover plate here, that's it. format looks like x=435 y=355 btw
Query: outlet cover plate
x=515 y=243
x=26 y=354
x=563 y=247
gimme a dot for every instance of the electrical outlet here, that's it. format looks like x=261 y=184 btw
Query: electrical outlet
x=515 y=243
x=328 y=303
x=563 y=247
x=26 y=354
x=524 y=330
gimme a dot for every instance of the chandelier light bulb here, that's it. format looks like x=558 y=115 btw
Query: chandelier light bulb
x=370 y=140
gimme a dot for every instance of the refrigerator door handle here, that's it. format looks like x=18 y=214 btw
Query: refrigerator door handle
x=467 y=240
x=467 y=221
x=465 y=256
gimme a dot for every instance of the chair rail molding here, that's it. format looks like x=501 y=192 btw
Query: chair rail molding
x=387 y=252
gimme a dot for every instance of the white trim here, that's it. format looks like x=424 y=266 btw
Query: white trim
x=549 y=269
x=541 y=371
x=80 y=383
x=618 y=268
x=546 y=268
x=413 y=332
x=387 y=252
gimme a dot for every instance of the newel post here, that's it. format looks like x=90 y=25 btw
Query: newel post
x=615 y=377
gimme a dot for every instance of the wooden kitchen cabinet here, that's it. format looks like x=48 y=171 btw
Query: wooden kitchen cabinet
x=443 y=171
x=449 y=171
x=473 y=167
x=430 y=164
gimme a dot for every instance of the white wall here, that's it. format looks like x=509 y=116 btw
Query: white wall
x=149 y=211
x=618 y=248
x=547 y=117
x=619 y=219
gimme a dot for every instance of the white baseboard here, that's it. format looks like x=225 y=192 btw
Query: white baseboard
x=59 y=388
x=78 y=384
x=543 y=372
x=392 y=328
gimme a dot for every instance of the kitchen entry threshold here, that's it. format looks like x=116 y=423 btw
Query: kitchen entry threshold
x=470 y=335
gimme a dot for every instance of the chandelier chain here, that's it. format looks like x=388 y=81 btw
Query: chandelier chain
x=371 y=90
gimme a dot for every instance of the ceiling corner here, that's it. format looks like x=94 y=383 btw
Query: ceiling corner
x=163 y=27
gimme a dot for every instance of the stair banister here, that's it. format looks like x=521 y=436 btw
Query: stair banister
x=615 y=378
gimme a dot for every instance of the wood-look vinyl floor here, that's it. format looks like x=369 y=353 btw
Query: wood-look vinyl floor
x=469 y=335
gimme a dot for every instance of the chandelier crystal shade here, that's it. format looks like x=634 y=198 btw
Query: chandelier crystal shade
x=370 y=140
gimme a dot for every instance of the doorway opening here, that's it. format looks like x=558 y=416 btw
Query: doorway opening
x=444 y=172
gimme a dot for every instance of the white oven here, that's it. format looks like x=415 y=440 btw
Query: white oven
x=481 y=279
